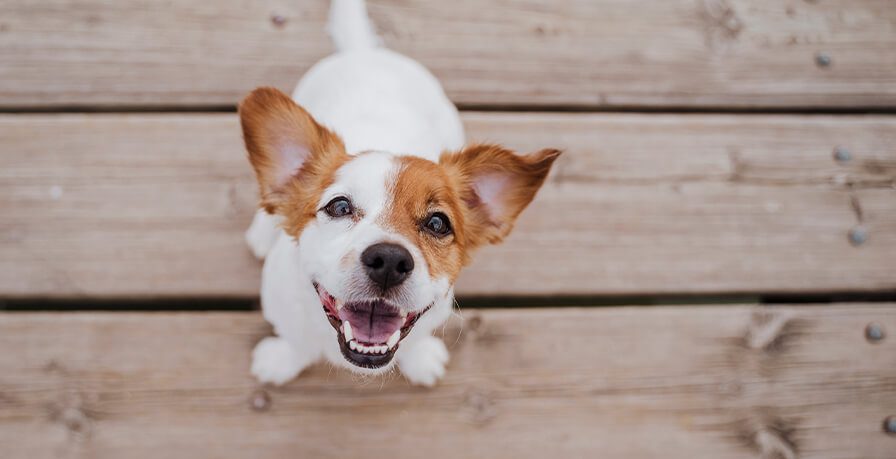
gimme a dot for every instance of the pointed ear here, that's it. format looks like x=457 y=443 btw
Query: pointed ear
x=284 y=142
x=495 y=185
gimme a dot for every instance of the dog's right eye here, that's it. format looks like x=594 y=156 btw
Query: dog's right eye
x=339 y=207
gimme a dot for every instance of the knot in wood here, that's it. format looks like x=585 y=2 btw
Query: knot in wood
x=71 y=412
x=481 y=406
x=773 y=446
x=766 y=329
x=76 y=421
x=474 y=322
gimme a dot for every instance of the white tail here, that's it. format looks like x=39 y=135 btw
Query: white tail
x=350 y=27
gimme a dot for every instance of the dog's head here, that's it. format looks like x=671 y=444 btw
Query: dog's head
x=382 y=237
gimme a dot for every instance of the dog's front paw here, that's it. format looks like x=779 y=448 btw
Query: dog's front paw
x=275 y=361
x=424 y=361
x=262 y=234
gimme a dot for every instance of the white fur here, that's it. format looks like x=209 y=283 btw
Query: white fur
x=350 y=27
x=263 y=233
x=384 y=104
x=425 y=362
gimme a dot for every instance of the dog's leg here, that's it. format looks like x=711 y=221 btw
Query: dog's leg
x=423 y=361
x=276 y=361
x=263 y=233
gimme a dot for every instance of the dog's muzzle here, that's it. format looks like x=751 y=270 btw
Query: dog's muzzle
x=370 y=331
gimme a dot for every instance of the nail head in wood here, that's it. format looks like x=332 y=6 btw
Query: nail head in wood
x=874 y=333
x=842 y=154
x=823 y=60
x=260 y=400
x=890 y=425
x=858 y=236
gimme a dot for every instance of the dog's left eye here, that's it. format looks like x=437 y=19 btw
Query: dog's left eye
x=339 y=207
x=438 y=224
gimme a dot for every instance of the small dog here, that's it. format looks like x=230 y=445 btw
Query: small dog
x=365 y=231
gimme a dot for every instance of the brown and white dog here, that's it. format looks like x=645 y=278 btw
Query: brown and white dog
x=365 y=223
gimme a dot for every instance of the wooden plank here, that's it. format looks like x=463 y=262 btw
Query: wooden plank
x=156 y=205
x=698 y=204
x=601 y=53
x=682 y=382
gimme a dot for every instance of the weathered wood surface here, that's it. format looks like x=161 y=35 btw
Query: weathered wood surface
x=679 y=382
x=600 y=53
x=156 y=205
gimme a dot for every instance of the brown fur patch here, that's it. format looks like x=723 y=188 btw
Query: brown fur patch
x=524 y=175
x=270 y=120
x=304 y=192
x=420 y=189
x=423 y=187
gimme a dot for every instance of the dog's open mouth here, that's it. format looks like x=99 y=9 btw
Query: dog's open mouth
x=369 y=332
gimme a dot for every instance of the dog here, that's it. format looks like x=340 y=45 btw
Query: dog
x=370 y=205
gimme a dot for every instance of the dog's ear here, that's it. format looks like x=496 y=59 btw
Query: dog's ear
x=285 y=144
x=495 y=185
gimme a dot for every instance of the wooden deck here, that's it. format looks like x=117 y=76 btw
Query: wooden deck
x=601 y=53
x=715 y=149
x=721 y=382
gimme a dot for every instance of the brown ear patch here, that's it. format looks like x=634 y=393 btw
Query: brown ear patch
x=495 y=185
x=481 y=189
x=285 y=143
x=302 y=194
x=294 y=157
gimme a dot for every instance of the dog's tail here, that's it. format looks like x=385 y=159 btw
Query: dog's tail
x=350 y=27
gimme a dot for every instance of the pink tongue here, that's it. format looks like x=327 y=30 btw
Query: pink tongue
x=371 y=323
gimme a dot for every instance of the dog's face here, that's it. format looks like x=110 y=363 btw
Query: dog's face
x=382 y=237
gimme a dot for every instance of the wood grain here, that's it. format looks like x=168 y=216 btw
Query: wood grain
x=156 y=205
x=679 y=382
x=601 y=53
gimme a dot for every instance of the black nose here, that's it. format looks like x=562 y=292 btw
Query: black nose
x=387 y=264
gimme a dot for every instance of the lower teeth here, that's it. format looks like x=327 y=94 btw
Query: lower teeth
x=378 y=349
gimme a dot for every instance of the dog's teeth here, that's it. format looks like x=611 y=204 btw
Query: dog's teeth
x=393 y=340
x=356 y=346
x=347 y=330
